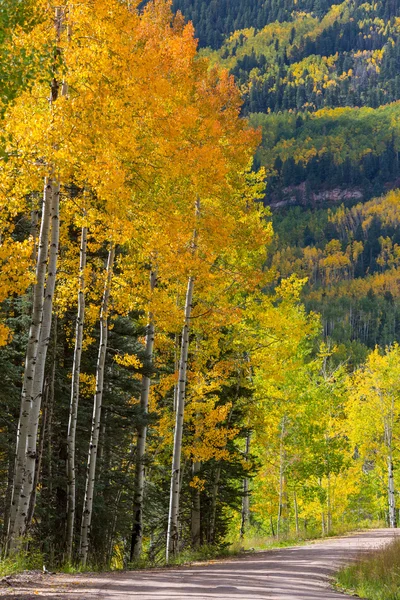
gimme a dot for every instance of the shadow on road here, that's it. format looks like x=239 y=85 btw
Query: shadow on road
x=299 y=573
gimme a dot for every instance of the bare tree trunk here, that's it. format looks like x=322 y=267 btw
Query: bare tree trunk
x=213 y=518
x=51 y=411
x=176 y=369
x=30 y=365
x=391 y=494
x=281 y=479
x=173 y=521
x=74 y=402
x=98 y=398
x=137 y=530
x=22 y=518
x=38 y=466
x=196 y=510
x=246 y=496
x=328 y=506
x=296 y=512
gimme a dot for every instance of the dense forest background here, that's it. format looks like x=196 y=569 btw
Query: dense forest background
x=322 y=80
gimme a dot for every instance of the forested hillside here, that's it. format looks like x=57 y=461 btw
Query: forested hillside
x=194 y=274
x=322 y=81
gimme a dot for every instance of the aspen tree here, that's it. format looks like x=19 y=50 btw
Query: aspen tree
x=246 y=494
x=173 y=517
x=97 y=404
x=137 y=531
x=30 y=364
x=21 y=521
x=73 y=407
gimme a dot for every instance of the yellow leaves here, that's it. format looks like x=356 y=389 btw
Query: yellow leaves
x=5 y=335
x=15 y=267
x=87 y=385
x=373 y=406
x=197 y=483
x=128 y=360
x=290 y=288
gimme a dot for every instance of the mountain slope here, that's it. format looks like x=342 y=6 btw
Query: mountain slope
x=322 y=80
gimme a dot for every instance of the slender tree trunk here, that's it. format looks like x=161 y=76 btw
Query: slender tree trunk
x=73 y=407
x=391 y=494
x=196 y=510
x=328 y=506
x=176 y=369
x=213 y=518
x=22 y=518
x=51 y=411
x=281 y=479
x=30 y=366
x=296 y=512
x=173 y=521
x=246 y=496
x=39 y=457
x=98 y=398
x=272 y=526
x=137 y=529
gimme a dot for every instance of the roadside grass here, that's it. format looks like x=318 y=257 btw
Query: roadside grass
x=375 y=577
x=23 y=561
x=31 y=560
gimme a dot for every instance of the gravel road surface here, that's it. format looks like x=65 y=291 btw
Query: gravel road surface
x=296 y=573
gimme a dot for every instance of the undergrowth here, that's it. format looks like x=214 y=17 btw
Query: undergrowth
x=35 y=560
x=23 y=561
x=375 y=577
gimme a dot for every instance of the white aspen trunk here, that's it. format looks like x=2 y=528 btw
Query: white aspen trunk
x=176 y=369
x=296 y=512
x=196 y=511
x=323 y=524
x=21 y=520
x=388 y=429
x=39 y=458
x=98 y=398
x=214 y=497
x=74 y=402
x=173 y=521
x=30 y=365
x=246 y=496
x=137 y=530
x=281 y=480
x=391 y=494
x=328 y=506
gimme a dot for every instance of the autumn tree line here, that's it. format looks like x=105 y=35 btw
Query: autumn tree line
x=164 y=387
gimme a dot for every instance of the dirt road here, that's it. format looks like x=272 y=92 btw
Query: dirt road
x=300 y=573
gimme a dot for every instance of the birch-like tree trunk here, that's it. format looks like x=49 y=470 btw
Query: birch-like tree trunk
x=173 y=520
x=214 y=497
x=74 y=401
x=281 y=479
x=137 y=529
x=296 y=512
x=196 y=510
x=176 y=370
x=391 y=494
x=246 y=496
x=98 y=399
x=22 y=517
x=39 y=457
x=30 y=364
x=328 y=505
